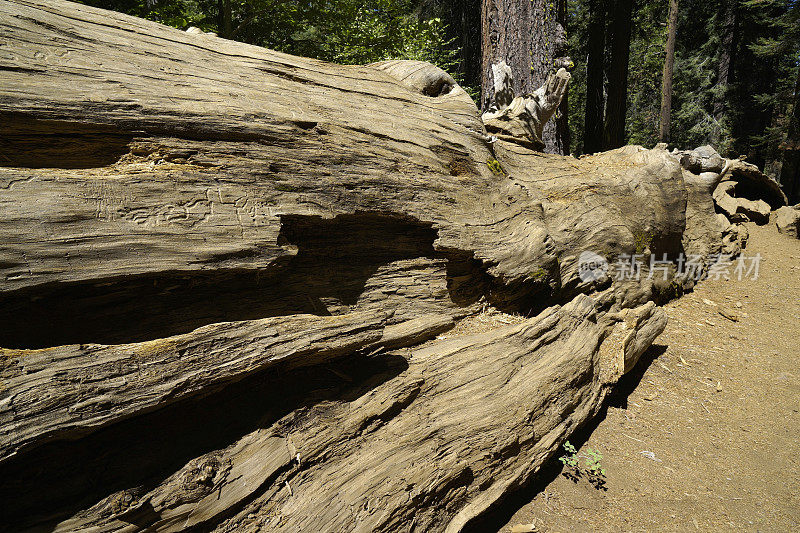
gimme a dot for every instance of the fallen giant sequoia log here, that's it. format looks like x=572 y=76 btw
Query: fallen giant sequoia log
x=224 y=269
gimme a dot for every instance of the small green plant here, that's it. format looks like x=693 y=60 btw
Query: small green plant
x=494 y=166
x=539 y=274
x=591 y=469
x=642 y=240
x=570 y=460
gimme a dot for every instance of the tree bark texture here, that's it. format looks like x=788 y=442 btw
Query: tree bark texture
x=506 y=27
x=548 y=54
x=563 y=142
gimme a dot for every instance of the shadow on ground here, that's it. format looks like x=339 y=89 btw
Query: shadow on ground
x=499 y=516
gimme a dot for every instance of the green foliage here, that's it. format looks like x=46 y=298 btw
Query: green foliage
x=495 y=167
x=342 y=31
x=642 y=240
x=776 y=48
x=592 y=467
x=178 y=13
x=748 y=116
x=694 y=90
x=571 y=459
x=648 y=41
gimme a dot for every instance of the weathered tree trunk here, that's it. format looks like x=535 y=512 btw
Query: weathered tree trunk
x=669 y=61
x=595 y=96
x=385 y=459
x=522 y=119
x=223 y=271
x=506 y=36
x=616 y=102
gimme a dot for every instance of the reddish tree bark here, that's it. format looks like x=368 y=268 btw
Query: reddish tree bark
x=548 y=53
x=506 y=36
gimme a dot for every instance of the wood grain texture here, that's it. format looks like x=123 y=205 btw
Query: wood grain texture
x=67 y=391
x=238 y=137
x=391 y=460
x=223 y=270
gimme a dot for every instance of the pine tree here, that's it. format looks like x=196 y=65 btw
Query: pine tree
x=782 y=48
x=616 y=100
x=593 y=129
x=669 y=61
x=729 y=31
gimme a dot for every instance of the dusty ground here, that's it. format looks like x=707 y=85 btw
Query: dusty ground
x=704 y=435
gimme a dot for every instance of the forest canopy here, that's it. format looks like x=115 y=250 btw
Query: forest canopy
x=735 y=75
x=340 y=31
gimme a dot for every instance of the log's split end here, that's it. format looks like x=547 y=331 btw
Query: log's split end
x=521 y=119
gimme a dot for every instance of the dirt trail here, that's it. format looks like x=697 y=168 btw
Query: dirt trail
x=704 y=435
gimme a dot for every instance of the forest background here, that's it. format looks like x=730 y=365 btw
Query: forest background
x=689 y=73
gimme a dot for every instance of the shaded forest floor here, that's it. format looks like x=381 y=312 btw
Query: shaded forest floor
x=704 y=435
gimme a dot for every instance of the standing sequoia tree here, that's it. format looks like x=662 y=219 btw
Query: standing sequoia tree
x=506 y=36
x=530 y=36
x=549 y=52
